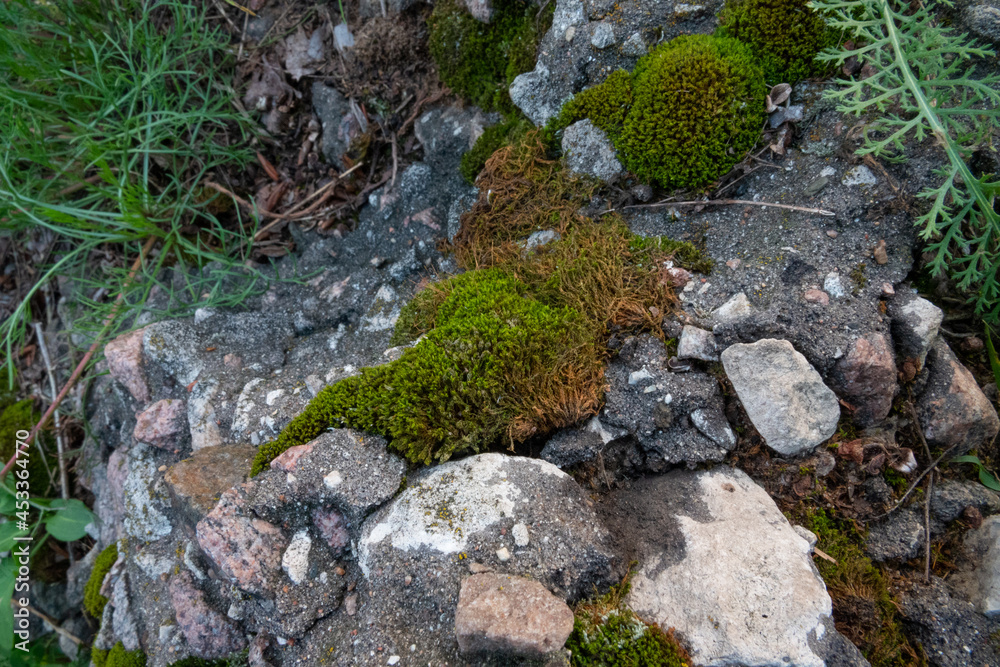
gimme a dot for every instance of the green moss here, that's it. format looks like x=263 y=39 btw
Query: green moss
x=685 y=255
x=606 y=105
x=99 y=657
x=698 y=107
x=689 y=111
x=119 y=657
x=93 y=601
x=480 y=60
x=785 y=34
x=608 y=634
x=863 y=606
x=858 y=278
x=462 y=386
x=22 y=416
x=490 y=141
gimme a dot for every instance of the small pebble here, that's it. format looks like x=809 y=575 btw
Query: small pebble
x=733 y=264
x=393 y=660
x=503 y=554
x=817 y=296
x=407 y=580
x=832 y=234
x=340 y=571
x=881 y=257
x=888 y=289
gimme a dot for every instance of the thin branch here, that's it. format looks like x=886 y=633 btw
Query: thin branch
x=82 y=366
x=60 y=449
x=713 y=202
x=55 y=626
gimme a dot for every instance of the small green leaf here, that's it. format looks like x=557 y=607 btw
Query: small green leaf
x=987 y=479
x=68 y=522
x=991 y=352
x=6 y=613
x=8 y=531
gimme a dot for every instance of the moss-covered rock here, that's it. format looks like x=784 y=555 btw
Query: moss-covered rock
x=490 y=141
x=118 y=657
x=606 y=633
x=480 y=60
x=93 y=601
x=516 y=346
x=786 y=35
x=690 y=110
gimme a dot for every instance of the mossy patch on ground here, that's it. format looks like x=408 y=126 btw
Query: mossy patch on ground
x=516 y=346
x=786 y=35
x=238 y=659
x=490 y=141
x=118 y=657
x=480 y=60
x=608 y=634
x=22 y=416
x=864 y=608
x=93 y=601
x=691 y=109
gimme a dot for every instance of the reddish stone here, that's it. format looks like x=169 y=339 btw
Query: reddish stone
x=200 y=480
x=510 y=615
x=124 y=355
x=209 y=634
x=953 y=409
x=246 y=549
x=866 y=378
x=817 y=296
x=333 y=528
x=288 y=459
x=161 y=423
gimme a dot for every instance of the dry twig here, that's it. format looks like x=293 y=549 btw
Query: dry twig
x=712 y=202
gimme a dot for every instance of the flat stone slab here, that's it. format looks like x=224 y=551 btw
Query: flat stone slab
x=783 y=395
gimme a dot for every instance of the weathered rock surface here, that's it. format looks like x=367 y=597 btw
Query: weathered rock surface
x=655 y=406
x=980 y=580
x=588 y=151
x=571 y=446
x=209 y=634
x=866 y=378
x=510 y=615
x=720 y=563
x=783 y=395
x=347 y=470
x=915 y=323
x=952 y=498
x=162 y=424
x=124 y=357
x=953 y=410
x=950 y=630
x=200 y=480
x=697 y=343
x=898 y=537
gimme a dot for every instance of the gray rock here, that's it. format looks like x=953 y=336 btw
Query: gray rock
x=447 y=132
x=953 y=410
x=634 y=46
x=343 y=469
x=915 y=323
x=510 y=615
x=481 y=10
x=414 y=552
x=952 y=497
x=340 y=127
x=342 y=37
x=731 y=605
x=735 y=309
x=950 y=630
x=587 y=150
x=602 y=36
x=210 y=634
x=538 y=239
x=571 y=446
x=697 y=343
x=783 y=395
x=713 y=424
x=899 y=537
x=859 y=175
x=834 y=285
x=981 y=579
x=983 y=18
x=654 y=405
x=791 y=114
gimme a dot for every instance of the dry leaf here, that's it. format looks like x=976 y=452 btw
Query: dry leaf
x=778 y=95
x=302 y=51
